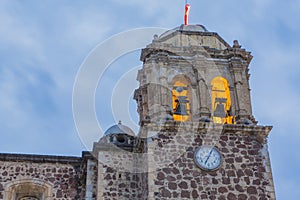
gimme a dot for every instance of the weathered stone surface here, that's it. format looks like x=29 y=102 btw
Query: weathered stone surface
x=195 y=194
x=253 y=198
x=172 y=186
x=222 y=190
x=233 y=180
x=64 y=177
x=185 y=194
x=166 y=193
x=242 y=197
x=231 y=196
x=251 y=190
x=239 y=188
x=160 y=176
x=183 y=185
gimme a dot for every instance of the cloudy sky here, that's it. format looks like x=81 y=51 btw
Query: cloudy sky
x=44 y=43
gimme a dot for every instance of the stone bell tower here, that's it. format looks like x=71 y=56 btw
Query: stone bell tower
x=195 y=114
x=186 y=60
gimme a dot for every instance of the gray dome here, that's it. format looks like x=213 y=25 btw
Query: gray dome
x=185 y=28
x=119 y=129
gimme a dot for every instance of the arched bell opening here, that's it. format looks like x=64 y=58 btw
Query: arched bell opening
x=221 y=101
x=181 y=99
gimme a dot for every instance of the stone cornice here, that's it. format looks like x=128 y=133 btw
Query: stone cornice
x=207 y=52
x=40 y=158
x=261 y=132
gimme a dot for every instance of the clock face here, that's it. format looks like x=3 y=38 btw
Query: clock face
x=208 y=158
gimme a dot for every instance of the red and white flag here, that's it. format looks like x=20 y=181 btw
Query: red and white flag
x=186 y=14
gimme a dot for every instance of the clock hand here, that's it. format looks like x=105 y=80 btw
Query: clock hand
x=208 y=156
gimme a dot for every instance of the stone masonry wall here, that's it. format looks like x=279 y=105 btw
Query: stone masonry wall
x=121 y=176
x=123 y=185
x=244 y=174
x=66 y=179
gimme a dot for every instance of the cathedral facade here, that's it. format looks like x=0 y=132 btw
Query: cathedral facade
x=198 y=138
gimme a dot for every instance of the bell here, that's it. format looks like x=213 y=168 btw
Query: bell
x=181 y=105
x=220 y=109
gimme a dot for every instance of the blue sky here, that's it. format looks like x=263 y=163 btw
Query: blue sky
x=43 y=44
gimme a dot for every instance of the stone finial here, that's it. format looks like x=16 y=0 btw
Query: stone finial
x=236 y=44
x=155 y=37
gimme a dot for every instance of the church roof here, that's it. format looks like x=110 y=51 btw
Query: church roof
x=184 y=37
x=184 y=28
x=119 y=129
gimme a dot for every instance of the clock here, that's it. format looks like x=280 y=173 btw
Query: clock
x=208 y=158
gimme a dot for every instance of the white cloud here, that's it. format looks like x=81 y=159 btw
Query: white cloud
x=86 y=26
x=154 y=13
x=17 y=33
x=149 y=8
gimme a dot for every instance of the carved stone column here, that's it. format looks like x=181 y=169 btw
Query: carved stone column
x=243 y=104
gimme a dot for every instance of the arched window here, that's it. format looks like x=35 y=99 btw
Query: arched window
x=181 y=100
x=221 y=102
x=28 y=189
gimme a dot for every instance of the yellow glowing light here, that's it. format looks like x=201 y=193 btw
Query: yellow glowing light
x=180 y=90
x=220 y=91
